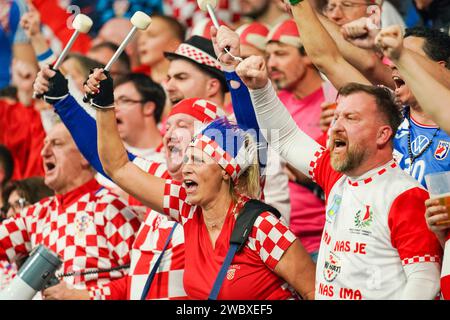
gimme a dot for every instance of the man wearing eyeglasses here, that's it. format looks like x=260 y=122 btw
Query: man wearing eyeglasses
x=345 y=11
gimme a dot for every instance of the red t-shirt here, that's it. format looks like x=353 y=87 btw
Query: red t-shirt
x=250 y=275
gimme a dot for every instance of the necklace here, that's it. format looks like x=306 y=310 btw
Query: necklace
x=411 y=156
x=219 y=222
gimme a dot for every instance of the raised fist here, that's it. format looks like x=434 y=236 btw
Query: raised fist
x=99 y=89
x=31 y=22
x=253 y=72
x=362 y=32
x=51 y=85
x=390 y=41
x=223 y=38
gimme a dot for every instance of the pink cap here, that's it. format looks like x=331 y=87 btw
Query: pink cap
x=253 y=34
x=285 y=32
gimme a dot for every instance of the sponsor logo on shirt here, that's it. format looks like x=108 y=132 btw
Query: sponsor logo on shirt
x=419 y=144
x=332 y=267
x=232 y=271
x=441 y=151
x=364 y=218
x=334 y=209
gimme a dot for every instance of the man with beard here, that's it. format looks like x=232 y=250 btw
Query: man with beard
x=418 y=140
x=375 y=243
x=300 y=89
x=268 y=12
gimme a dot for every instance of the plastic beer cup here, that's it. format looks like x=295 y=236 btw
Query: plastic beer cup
x=438 y=185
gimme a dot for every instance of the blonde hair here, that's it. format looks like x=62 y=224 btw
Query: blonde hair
x=249 y=181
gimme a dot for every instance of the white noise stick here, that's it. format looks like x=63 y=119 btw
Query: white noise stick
x=209 y=5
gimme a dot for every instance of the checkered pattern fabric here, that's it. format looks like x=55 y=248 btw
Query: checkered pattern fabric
x=188 y=12
x=197 y=55
x=211 y=110
x=150 y=240
x=270 y=238
x=168 y=281
x=202 y=110
x=215 y=151
x=417 y=259
x=95 y=231
x=99 y=292
x=313 y=163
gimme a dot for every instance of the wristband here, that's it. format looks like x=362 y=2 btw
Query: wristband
x=47 y=54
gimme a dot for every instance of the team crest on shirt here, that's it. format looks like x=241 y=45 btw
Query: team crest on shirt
x=364 y=217
x=82 y=222
x=332 y=267
x=232 y=271
x=441 y=151
x=335 y=205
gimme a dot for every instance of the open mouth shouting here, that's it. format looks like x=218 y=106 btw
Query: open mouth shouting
x=49 y=167
x=398 y=82
x=338 y=145
x=190 y=185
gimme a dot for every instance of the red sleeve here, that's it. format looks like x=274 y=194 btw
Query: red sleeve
x=34 y=165
x=56 y=19
x=321 y=171
x=445 y=273
x=322 y=140
x=409 y=232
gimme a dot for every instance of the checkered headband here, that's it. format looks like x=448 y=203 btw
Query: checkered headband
x=229 y=145
x=202 y=110
x=199 y=56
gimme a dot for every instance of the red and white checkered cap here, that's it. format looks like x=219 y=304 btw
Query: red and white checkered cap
x=253 y=34
x=198 y=55
x=285 y=32
x=201 y=109
x=203 y=28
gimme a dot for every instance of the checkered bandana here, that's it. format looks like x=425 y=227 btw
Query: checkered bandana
x=226 y=143
x=197 y=55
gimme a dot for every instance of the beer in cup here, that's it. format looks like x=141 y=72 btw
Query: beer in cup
x=438 y=185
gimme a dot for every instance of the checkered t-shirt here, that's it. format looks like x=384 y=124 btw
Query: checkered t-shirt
x=90 y=228
x=250 y=275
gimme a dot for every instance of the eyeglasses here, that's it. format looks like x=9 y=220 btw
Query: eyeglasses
x=124 y=101
x=17 y=206
x=345 y=6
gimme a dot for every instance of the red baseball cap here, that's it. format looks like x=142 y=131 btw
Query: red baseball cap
x=201 y=109
x=253 y=34
x=285 y=32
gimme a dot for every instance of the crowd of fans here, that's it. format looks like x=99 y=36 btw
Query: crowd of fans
x=322 y=117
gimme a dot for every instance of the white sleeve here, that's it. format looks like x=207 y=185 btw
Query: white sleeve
x=422 y=281
x=276 y=185
x=281 y=131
